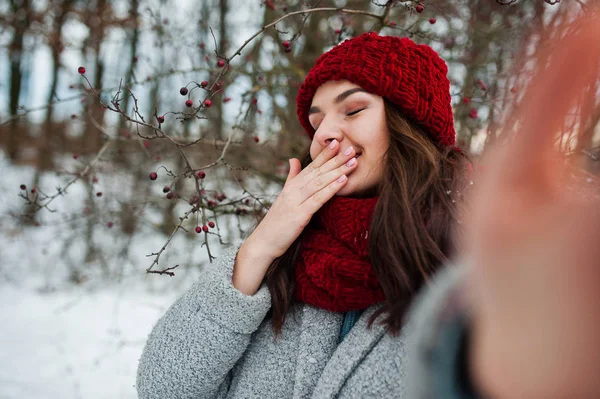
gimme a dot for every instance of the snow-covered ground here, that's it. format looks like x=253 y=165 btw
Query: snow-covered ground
x=62 y=340
x=74 y=343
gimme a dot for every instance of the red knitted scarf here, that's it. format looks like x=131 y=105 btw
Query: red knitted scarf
x=333 y=271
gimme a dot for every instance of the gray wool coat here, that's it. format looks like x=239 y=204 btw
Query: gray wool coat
x=214 y=342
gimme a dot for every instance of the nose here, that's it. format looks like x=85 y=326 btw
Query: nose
x=329 y=129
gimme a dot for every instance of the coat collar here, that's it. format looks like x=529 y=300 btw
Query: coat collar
x=322 y=359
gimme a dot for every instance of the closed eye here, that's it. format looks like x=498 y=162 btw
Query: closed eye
x=355 y=112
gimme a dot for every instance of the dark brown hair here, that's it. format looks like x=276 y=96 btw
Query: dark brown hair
x=410 y=235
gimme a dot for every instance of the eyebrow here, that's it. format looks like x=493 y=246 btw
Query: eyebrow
x=341 y=97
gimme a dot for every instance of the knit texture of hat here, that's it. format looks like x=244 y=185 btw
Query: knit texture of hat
x=412 y=76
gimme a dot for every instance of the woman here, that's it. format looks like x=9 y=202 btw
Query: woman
x=313 y=303
x=522 y=322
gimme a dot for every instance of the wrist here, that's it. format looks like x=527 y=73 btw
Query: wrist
x=250 y=267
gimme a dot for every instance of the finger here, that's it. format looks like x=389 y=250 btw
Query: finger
x=328 y=152
x=295 y=168
x=316 y=201
x=321 y=181
x=334 y=163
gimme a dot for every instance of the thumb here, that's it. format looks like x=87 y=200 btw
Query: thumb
x=295 y=169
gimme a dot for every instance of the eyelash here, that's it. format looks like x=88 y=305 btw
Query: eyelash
x=355 y=112
x=348 y=114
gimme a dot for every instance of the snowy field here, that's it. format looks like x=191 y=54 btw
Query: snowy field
x=61 y=340
x=74 y=343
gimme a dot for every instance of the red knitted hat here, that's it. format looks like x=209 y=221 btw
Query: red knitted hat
x=412 y=76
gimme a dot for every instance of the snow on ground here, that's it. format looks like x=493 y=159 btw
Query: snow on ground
x=61 y=340
x=74 y=343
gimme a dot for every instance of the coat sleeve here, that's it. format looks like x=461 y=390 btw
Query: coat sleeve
x=437 y=332
x=194 y=346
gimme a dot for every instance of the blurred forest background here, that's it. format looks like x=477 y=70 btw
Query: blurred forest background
x=122 y=174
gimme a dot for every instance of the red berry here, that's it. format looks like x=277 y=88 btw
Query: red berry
x=432 y=21
x=99 y=194
x=95 y=180
x=513 y=89
x=73 y=116
x=338 y=31
x=146 y=144
x=170 y=196
x=75 y=156
x=204 y=83
x=481 y=84
x=153 y=176
x=135 y=59
x=207 y=103
x=34 y=190
x=211 y=224
x=160 y=119
x=202 y=45
x=220 y=63
x=183 y=91
x=205 y=228
x=189 y=103
x=109 y=224
x=23 y=187
x=466 y=100
x=81 y=70
x=226 y=99
x=473 y=114
x=198 y=229
x=166 y=189
x=420 y=8
x=256 y=139
x=392 y=24
x=286 y=44
x=201 y=175
x=254 y=101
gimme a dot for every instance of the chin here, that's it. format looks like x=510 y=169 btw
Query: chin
x=349 y=190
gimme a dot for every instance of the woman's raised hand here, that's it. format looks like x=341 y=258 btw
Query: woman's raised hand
x=534 y=242
x=304 y=193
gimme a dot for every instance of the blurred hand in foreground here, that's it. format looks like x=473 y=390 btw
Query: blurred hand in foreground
x=535 y=245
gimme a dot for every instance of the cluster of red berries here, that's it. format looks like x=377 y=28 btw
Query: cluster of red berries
x=287 y=46
x=205 y=227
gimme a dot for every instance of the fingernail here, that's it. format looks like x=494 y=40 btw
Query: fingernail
x=341 y=179
x=351 y=162
x=348 y=151
x=332 y=144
